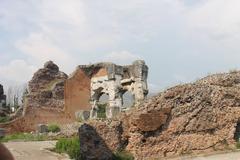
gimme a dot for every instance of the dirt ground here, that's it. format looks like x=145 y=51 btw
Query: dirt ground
x=219 y=156
x=34 y=150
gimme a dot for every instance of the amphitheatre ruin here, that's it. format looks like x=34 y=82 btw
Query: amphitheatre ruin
x=192 y=118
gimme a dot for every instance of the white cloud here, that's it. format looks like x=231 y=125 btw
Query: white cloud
x=69 y=12
x=218 y=19
x=17 y=71
x=41 y=49
x=77 y=32
x=122 y=57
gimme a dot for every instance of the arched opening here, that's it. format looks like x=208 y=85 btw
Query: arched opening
x=128 y=100
x=102 y=104
x=97 y=93
x=103 y=99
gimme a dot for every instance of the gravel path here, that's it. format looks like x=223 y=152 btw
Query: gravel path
x=33 y=150
x=223 y=156
x=37 y=151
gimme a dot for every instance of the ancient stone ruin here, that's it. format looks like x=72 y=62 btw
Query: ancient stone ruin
x=88 y=83
x=53 y=97
x=194 y=118
x=198 y=117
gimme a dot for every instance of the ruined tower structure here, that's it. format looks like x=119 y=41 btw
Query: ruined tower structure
x=2 y=97
x=88 y=83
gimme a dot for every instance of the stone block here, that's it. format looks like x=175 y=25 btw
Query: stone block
x=112 y=111
x=2 y=132
x=92 y=144
x=82 y=115
x=42 y=128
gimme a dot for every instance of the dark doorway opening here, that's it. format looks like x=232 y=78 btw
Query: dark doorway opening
x=102 y=105
x=128 y=100
x=237 y=132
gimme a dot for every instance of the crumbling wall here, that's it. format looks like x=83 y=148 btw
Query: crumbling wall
x=44 y=102
x=46 y=89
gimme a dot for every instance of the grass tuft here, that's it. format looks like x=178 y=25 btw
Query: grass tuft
x=123 y=155
x=23 y=137
x=238 y=145
x=53 y=128
x=4 y=119
x=69 y=146
x=101 y=113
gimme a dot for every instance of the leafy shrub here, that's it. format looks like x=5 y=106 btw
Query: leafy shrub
x=238 y=145
x=69 y=146
x=101 y=113
x=123 y=155
x=53 y=128
x=24 y=137
x=4 y=119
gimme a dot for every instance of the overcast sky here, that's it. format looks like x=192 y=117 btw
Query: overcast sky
x=180 y=40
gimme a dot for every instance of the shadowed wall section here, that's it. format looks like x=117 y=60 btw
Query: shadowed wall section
x=93 y=145
x=77 y=93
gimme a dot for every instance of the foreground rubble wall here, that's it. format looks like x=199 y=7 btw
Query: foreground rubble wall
x=195 y=118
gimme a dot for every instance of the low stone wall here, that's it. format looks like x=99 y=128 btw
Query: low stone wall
x=34 y=117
